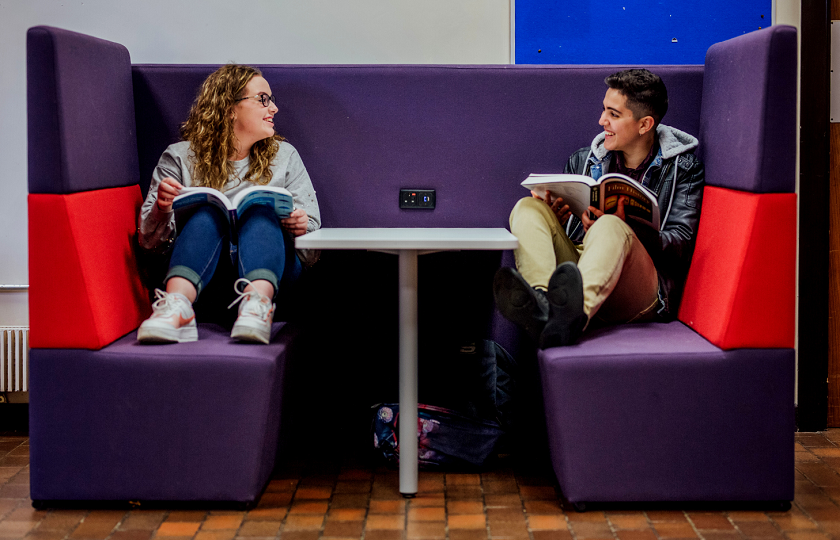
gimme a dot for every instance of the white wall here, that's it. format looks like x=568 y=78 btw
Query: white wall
x=220 y=31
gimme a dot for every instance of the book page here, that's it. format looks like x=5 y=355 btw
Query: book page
x=574 y=189
x=191 y=198
x=275 y=197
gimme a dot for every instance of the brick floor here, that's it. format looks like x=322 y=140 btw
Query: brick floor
x=349 y=502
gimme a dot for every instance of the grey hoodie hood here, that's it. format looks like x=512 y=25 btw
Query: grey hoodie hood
x=672 y=142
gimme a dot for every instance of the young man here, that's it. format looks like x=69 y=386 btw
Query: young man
x=570 y=269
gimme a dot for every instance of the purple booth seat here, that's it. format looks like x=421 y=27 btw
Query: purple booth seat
x=655 y=412
x=206 y=415
x=180 y=422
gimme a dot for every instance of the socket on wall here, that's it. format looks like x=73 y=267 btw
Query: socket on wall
x=414 y=199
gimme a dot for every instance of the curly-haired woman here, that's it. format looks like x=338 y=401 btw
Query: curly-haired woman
x=228 y=144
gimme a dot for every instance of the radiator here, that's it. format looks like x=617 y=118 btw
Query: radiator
x=14 y=358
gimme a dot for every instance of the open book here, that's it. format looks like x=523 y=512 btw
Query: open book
x=191 y=198
x=580 y=192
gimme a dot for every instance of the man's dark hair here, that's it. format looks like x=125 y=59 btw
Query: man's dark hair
x=645 y=92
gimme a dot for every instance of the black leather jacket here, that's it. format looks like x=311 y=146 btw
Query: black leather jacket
x=672 y=247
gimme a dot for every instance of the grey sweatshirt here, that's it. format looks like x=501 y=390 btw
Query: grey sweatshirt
x=157 y=227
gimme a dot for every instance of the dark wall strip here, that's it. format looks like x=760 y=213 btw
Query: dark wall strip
x=814 y=215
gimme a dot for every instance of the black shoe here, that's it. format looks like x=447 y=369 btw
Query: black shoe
x=566 y=318
x=519 y=302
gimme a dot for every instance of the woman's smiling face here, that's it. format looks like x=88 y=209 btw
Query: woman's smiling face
x=252 y=121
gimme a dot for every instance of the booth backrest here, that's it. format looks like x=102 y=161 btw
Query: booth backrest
x=748 y=119
x=472 y=133
x=80 y=103
x=740 y=291
x=83 y=191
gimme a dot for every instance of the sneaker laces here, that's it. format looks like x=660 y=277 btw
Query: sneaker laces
x=262 y=308
x=166 y=303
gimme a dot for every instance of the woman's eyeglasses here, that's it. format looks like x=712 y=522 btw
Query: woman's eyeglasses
x=262 y=98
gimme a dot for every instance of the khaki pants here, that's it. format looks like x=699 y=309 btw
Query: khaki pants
x=619 y=279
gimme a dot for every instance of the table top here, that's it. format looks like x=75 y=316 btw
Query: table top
x=408 y=239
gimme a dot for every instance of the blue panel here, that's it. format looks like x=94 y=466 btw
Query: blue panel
x=633 y=32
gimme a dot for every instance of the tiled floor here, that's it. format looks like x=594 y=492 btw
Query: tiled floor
x=343 y=501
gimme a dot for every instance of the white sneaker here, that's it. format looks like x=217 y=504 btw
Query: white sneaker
x=255 y=315
x=172 y=320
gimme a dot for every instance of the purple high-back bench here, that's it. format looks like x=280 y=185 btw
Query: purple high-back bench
x=702 y=408
x=200 y=421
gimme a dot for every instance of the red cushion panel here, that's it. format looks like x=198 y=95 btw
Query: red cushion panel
x=741 y=290
x=84 y=289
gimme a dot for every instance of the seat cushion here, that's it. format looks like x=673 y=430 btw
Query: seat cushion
x=187 y=421
x=654 y=412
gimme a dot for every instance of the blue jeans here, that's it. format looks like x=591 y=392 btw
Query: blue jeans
x=263 y=250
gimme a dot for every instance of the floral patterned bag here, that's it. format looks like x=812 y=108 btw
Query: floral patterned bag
x=445 y=438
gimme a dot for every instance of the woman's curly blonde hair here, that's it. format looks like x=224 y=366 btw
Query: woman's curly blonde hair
x=209 y=129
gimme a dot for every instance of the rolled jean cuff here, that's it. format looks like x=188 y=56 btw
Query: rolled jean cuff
x=263 y=273
x=188 y=274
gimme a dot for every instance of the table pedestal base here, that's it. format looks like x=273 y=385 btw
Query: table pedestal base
x=408 y=372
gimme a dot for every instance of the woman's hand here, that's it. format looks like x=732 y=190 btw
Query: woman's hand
x=296 y=223
x=168 y=189
x=560 y=210
x=619 y=213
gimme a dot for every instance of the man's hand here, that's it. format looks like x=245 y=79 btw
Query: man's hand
x=168 y=189
x=296 y=223
x=619 y=208
x=560 y=210
x=588 y=221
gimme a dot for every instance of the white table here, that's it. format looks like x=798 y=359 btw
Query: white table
x=408 y=244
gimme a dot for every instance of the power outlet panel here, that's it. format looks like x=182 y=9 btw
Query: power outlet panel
x=417 y=199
